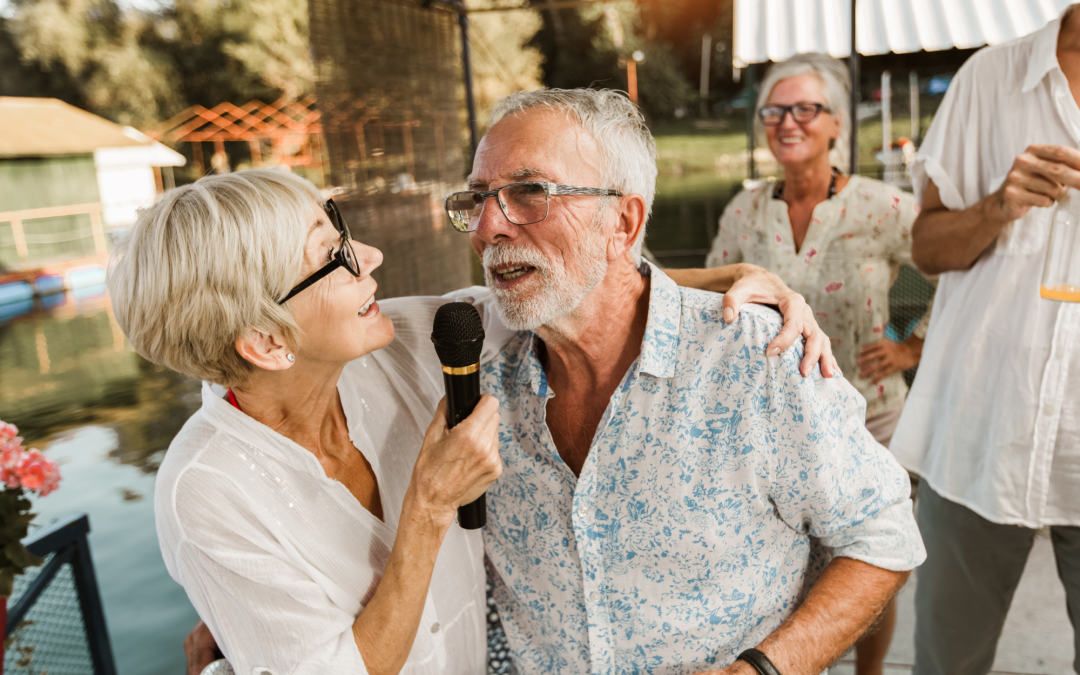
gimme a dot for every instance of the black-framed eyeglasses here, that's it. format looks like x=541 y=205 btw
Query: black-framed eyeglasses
x=522 y=203
x=343 y=257
x=773 y=115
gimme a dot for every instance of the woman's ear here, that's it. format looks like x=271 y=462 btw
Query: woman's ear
x=264 y=350
x=631 y=221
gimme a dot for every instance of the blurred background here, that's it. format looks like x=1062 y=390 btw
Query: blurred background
x=106 y=103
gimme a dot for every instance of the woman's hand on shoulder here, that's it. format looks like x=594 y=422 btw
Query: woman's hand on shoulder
x=457 y=465
x=756 y=284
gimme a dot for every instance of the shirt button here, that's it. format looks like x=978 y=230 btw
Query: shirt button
x=594 y=596
x=1048 y=410
x=583 y=510
x=435 y=627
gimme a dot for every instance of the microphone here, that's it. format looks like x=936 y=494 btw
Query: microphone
x=458 y=334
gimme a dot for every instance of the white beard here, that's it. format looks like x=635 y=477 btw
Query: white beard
x=558 y=294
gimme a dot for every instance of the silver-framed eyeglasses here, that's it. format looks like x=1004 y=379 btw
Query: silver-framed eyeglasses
x=803 y=113
x=522 y=203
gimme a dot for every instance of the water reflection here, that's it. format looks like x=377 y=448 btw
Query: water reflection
x=685 y=216
x=72 y=385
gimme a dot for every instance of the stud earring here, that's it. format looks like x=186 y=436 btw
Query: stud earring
x=292 y=359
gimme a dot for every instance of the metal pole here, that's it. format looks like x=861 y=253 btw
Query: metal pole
x=706 y=59
x=854 y=67
x=913 y=87
x=751 y=84
x=886 y=112
x=470 y=101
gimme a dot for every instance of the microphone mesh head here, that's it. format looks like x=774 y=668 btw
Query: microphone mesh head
x=458 y=334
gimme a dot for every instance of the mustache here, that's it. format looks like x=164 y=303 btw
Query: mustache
x=523 y=254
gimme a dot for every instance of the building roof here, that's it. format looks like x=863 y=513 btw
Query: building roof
x=35 y=127
x=774 y=30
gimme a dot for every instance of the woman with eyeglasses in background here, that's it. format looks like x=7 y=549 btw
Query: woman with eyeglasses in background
x=838 y=240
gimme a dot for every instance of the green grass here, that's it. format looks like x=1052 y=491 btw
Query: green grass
x=690 y=146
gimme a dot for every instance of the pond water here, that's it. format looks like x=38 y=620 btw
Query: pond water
x=71 y=383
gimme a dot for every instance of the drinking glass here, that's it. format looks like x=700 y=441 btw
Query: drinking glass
x=1061 y=271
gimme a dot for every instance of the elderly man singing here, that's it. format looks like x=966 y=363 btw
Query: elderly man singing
x=663 y=475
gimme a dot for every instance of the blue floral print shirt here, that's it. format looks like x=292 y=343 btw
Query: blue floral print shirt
x=687 y=536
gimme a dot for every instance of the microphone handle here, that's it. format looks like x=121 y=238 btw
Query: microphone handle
x=462 y=395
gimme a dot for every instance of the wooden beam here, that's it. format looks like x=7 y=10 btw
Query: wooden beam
x=98 y=232
x=20 y=238
x=549 y=5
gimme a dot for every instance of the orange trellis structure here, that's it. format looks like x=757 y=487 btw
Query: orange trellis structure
x=288 y=128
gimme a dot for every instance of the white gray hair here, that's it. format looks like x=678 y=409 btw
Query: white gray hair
x=207 y=262
x=628 y=161
x=835 y=79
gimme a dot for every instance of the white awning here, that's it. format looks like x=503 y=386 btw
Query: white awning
x=774 y=30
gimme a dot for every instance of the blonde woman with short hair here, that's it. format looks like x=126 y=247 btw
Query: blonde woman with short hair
x=313 y=482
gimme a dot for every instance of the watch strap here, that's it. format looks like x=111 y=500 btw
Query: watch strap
x=759 y=661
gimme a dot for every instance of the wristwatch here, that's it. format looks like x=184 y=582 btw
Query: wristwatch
x=219 y=667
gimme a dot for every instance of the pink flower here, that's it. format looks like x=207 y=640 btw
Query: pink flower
x=778 y=239
x=11 y=454
x=37 y=472
x=7 y=432
x=834 y=286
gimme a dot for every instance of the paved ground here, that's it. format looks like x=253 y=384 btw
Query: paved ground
x=1038 y=639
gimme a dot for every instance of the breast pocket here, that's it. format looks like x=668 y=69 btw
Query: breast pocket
x=1027 y=235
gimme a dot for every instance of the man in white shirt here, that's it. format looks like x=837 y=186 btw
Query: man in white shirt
x=992 y=423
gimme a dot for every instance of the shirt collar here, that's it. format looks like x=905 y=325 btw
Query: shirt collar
x=661 y=344
x=1043 y=57
x=659 y=347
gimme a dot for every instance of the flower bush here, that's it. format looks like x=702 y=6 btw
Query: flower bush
x=21 y=470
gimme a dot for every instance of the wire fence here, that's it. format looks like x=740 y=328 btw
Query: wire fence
x=55 y=621
x=388 y=78
x=51 y=638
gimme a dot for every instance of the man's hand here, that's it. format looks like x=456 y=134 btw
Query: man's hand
x=200 y=648
x=945 y=240
x=1040 y=176
x=885 y=357
x=755 y=284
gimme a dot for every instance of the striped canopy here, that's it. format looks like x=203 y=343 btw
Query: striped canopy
x=774 y=30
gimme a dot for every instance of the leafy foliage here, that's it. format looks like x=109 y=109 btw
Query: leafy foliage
x=15 y=519
x=140 y=67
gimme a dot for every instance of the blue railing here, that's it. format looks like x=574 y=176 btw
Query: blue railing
x=55 y=617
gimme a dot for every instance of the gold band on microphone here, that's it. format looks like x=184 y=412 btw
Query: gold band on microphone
x=467 y=370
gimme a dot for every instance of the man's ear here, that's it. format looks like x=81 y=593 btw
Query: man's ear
x=630 y=223
x=264 y=350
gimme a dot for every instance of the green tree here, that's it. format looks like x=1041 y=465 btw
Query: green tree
x=94 y=47
x=588 y=46
x=138 y=67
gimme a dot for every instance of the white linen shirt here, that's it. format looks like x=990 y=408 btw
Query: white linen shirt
x=279 y=559
x=686 y=537
x=992 y=421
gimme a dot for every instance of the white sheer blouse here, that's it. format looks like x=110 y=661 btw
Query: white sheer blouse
x=278 y=559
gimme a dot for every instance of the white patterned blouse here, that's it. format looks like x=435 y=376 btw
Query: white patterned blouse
x=686 y=538
x=850 y=258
